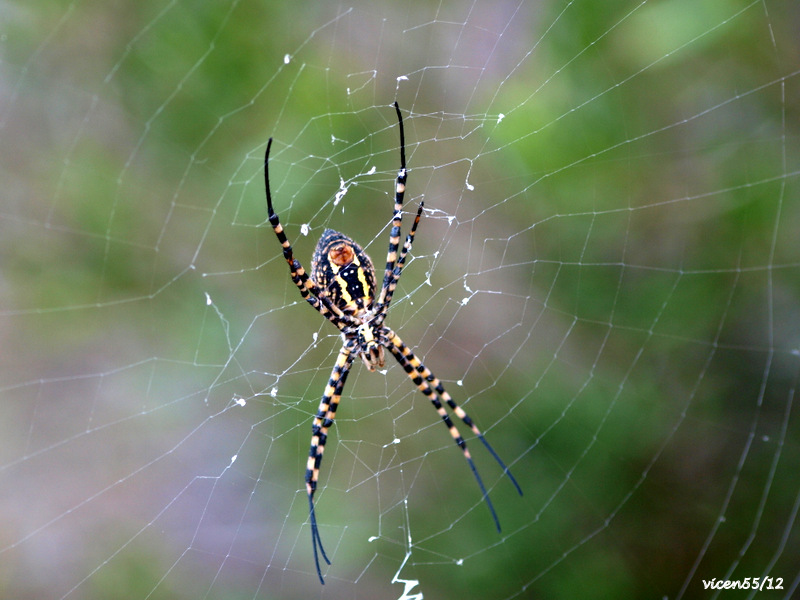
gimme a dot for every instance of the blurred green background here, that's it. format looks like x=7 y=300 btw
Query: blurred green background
x=606 y=277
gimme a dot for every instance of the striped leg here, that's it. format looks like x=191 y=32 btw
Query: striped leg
x=308 y=289
x=397 y=217
x=319 y=435
x=388 y=292
x=429 y=385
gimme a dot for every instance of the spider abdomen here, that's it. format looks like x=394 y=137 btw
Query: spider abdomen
x=342 y=268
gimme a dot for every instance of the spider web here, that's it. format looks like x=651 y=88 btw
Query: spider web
x=606 y=277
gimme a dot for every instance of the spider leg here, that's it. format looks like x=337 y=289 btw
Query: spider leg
x=429 y=385
x=319 y=435
x=397 y=217
x=308 y=289
x=388 y=291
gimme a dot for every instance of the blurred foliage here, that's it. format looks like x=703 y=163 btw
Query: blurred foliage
x=630 y=232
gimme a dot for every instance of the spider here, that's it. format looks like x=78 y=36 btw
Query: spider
x=342 y=288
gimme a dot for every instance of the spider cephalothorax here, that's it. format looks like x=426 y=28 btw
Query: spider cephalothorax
x=342 y=288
